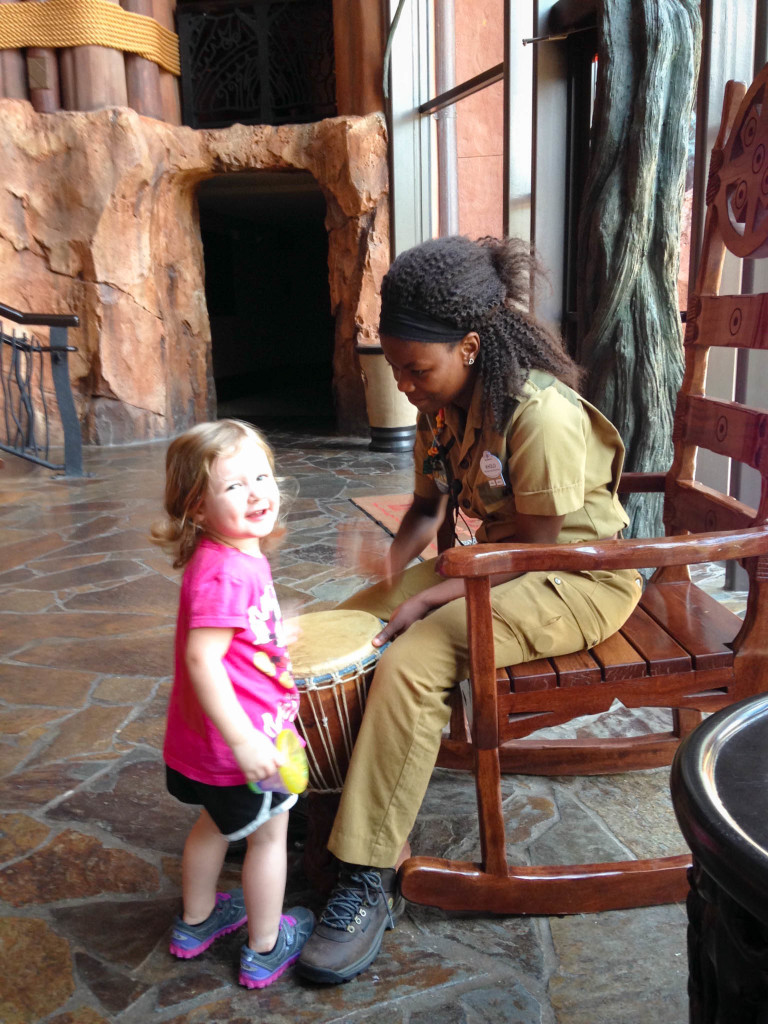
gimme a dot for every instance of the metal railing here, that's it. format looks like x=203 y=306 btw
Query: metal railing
x=26 y=406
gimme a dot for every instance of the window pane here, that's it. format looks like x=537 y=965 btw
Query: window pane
x=479 y=36
x=480 y=150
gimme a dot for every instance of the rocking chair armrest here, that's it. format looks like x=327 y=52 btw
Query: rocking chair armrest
x=638 y=553
x=642 y=483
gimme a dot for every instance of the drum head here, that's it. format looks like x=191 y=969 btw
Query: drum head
x=332 y=641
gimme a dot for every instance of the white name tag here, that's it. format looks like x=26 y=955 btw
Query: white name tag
x=491 y=467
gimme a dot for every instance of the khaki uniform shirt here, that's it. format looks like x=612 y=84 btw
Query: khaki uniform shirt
x=558 y=455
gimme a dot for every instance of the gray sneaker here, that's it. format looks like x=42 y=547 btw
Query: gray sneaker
x=257 y=970
x=228 y=914
x=348 y=937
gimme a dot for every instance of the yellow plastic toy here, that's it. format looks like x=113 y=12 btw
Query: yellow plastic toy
x=293 y=775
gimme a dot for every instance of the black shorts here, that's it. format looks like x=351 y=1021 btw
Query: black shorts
x=236 y=810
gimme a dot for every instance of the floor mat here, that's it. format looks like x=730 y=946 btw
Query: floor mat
x=388 y=509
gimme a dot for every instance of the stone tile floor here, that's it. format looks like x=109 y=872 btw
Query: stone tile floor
x=90 y=842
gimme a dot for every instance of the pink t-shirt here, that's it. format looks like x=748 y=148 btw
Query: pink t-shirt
x=224 y=587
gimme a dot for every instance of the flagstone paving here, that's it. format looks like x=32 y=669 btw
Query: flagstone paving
x=90 y=842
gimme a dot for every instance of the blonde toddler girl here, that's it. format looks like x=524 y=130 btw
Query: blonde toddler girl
x=233 y=692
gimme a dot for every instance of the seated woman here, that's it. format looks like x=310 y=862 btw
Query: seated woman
x=503 y=436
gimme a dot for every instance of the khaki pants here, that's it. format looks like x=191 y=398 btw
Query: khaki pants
x=535 y=615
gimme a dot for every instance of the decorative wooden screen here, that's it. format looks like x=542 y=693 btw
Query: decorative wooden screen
x=260 y=62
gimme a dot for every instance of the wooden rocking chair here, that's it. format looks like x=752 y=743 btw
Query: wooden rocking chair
x=680 y=649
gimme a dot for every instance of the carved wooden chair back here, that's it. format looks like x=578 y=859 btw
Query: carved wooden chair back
x=736 y=221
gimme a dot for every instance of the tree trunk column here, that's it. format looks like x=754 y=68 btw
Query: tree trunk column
x=170 y=99
x=93 y=77
x=629 y=330
x=359 y=37
x=43 y=79
x=142 y=76
x=13 y=74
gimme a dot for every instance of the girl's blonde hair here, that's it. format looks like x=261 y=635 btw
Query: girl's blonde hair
x=187 y=471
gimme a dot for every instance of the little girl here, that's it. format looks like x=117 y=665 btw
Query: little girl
x=233 y=692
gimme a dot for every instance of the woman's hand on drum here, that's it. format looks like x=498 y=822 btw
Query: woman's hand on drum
x=410 y=611
x=257 y=756
x=416 y=607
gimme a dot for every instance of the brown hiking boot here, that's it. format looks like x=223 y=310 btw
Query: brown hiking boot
x=348 y=936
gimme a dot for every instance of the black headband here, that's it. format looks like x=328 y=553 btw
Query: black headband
x=413 y=325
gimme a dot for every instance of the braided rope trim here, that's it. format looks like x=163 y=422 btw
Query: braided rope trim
x=64 y=23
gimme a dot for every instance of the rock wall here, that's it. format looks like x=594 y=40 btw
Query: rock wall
x=98 y=217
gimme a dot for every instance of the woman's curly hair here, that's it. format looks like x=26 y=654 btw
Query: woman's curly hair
x=484 y=286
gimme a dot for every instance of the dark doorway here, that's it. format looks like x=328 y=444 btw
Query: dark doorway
x=265 y=248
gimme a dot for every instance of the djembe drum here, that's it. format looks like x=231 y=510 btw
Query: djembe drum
x=333 y=665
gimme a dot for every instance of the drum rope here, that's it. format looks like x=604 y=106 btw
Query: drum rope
x=323 y=732
x=342 y=710
x=339 y=681
x=315 y=775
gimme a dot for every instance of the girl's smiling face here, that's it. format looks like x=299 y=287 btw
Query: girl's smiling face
x=241 y=499
x=430 y=374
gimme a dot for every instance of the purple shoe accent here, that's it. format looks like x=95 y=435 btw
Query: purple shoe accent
x=257 y=970
x=190 y=940
x=249 y=981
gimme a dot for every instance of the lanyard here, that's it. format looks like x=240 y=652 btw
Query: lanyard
x=438 y=466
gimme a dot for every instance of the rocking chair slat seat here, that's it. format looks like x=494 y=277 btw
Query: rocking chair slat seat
x=699 y=623
x=619 y=659
x=579 y=669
